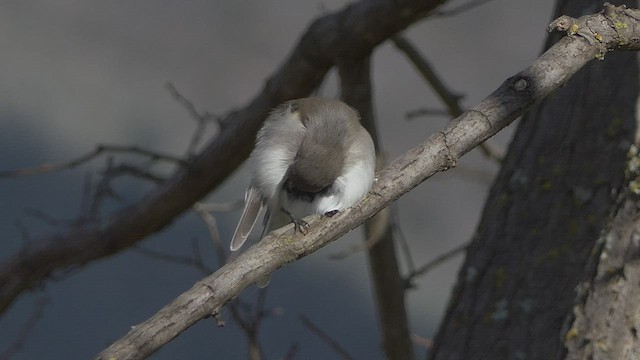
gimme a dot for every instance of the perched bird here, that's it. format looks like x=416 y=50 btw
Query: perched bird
x=311 y=156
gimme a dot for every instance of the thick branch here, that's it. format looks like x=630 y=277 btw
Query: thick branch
x=437 y=153
x=348 y=34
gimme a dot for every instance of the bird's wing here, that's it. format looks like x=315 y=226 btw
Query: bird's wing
x=253 y=204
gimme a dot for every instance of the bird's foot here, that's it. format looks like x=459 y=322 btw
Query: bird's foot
x=299 y=225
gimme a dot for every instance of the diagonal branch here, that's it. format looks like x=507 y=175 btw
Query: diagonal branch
x=437 y=153
x=326 y=338
x=25 y=331
x=451 y=100
x=351 y=33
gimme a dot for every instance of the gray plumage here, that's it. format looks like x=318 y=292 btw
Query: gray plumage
x=312 y=156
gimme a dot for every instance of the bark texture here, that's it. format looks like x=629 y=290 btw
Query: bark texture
x=607 y=312
x=556 y=193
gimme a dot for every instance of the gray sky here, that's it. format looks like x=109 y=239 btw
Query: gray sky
x=77 y=73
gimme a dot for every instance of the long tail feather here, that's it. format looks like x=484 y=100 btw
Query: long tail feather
x=253 y=204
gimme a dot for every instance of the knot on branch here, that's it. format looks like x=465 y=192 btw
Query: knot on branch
x=520 y=83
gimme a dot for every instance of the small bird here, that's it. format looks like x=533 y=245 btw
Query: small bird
x=312 y=156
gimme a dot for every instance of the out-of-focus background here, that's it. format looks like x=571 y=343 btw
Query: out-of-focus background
x=77 y=74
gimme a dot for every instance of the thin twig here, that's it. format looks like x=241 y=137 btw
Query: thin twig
x=201 y=119
x=249 y=317
x=187 y=104
x=434 y=263
x=24 y=232
x=100 y=149
x=401 y=239
x=102 y=191
x=326 y=338
x=450 y=99
x=23 y=334
x=134 y=171
x=422 y=341
x=291 y=354
x=44 y=217
x=86 y=199
x=481 y=176
x=212 y=225
x=194 y=261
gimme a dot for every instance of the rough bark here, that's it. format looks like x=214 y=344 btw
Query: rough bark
x=606 y=314
x=437 y=153
x=554 y=197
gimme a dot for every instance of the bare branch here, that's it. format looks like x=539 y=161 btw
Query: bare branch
x=23 y=334
x=399 y=235
x=348 y=34
x=426 y=70
x=44 y=217
x=326 y=338
x=480 y=176
x=437 y=153
x=136 y=172
x=434 y=263
x=188 y=105
x=100 y=149
x=195 y=260
x=291 y=354
x=447 y=96
x=212 y=225
x=201 y=119
x=24 y=232
x=422 y=341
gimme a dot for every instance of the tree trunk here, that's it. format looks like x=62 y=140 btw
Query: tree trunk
x=546 y=243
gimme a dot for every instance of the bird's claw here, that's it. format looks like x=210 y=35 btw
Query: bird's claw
x=300 y=225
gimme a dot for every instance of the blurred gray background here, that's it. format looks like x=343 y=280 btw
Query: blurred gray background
x=77 y=73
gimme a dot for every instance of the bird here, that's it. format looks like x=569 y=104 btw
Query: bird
x=311 y=156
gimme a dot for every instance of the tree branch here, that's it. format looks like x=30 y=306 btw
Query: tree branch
x=437 y=153
x=434 y=263
x=23 y=334
x=347 y=34
x=451 y=100
x=388 y=285
x=326 y=338
x=100 y=149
